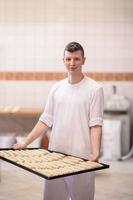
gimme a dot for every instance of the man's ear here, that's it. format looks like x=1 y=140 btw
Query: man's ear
x=84 y=59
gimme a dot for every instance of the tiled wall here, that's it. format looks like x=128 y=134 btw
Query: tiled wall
x=24 y=93
x=34 y=94
x=34 y=33
x=49 y=76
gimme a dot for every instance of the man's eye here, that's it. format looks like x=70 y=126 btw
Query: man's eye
x=68 y=59
x=77 y=59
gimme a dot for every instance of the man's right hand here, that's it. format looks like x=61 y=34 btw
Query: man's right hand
x=19 y=146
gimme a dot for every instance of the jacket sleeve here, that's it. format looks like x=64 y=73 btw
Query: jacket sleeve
x=47 y=115
x=96 y=108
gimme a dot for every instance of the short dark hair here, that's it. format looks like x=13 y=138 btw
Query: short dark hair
x=74 y=46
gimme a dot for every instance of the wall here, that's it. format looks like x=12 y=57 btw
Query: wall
x=33 y=35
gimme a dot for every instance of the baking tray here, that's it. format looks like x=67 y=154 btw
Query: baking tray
x=59 y=170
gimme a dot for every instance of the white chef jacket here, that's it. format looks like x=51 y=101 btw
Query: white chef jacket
x=70 y=110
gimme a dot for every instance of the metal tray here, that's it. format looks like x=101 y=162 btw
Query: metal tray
x=103 y=166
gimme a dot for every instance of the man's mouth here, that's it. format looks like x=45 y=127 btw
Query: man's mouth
x=72 y=68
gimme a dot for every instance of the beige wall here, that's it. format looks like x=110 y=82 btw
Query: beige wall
x=33 y=33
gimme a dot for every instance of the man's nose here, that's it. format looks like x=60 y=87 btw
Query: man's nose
x=72 y=62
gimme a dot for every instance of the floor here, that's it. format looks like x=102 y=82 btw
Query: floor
x=115 y=183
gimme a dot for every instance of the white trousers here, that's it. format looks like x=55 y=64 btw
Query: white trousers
x=77 y=187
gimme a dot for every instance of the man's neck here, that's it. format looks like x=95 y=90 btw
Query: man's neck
x=75 y=78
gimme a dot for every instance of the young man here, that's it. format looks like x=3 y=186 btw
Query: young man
x=74 y=111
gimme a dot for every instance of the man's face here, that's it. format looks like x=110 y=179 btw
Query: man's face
x=73 y=61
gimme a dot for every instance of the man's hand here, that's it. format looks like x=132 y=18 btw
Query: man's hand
x=40 y=128
x=19 y=146
x=94 y=158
